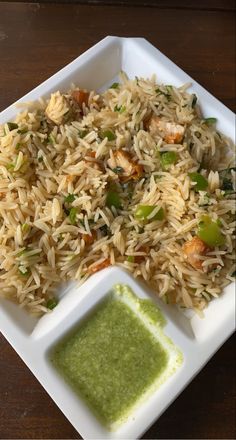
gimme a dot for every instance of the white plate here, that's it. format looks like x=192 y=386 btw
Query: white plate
x=197 y=338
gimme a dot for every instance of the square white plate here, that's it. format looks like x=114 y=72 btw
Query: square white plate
x=197 y=338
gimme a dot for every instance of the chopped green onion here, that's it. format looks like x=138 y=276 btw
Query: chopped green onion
x=25 y=227
x=118 y=170
x=23 y=271
x=168 y=158
x=113 y=199
x=209 y=121
x=130 y=259
x=226 y=180
x=83 y=133
x=120 y=109
x=22 y=252
x=50 y=139
x=72 y=215
x=194 y=100
x=12 y=125
x=51 y=303
x=201 y=182
x=160 y=92
x=143 y=211
x=115 y=85
x=233 y=274
x=227 y=186
x=10 y=166
x=22 y=130
x=40 y=159
x=104 y=229
x=60 y=237
x=70 y=198
x=210 y=233
x=205 y=200
x=109 y=135
x=157 y=176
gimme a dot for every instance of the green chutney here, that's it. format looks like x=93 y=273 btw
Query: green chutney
x=112 y=358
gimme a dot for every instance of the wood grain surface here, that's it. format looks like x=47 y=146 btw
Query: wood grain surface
x=37 y=39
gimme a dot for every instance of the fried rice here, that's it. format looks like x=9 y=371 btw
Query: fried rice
x=91 y=180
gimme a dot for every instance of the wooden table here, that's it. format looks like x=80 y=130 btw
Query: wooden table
x=36 y=40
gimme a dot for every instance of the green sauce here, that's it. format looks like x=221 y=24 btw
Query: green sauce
x=113 y=359
x=145 y=307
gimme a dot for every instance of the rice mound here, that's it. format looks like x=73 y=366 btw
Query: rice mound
x=56 y=172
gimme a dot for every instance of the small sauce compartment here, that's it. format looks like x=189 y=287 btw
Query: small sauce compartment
x=116 y=356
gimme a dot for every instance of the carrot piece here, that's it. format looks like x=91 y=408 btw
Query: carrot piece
x=80 y=96
x=89 y=239
x=99 y=266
